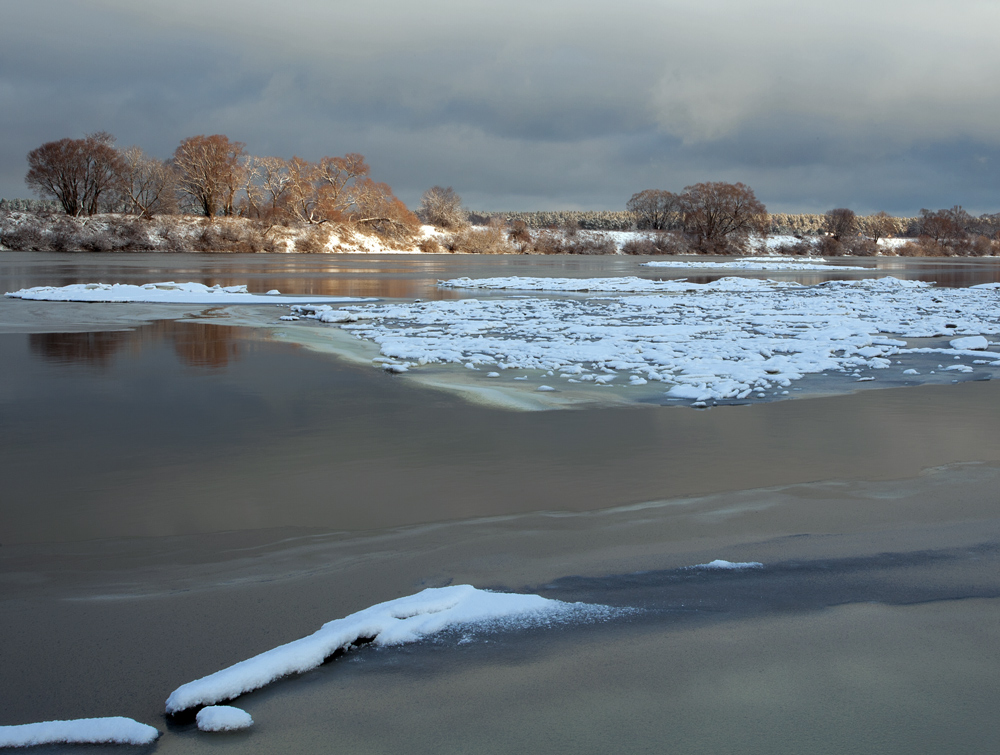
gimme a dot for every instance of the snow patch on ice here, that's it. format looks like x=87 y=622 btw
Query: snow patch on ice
x=753 y=263
x=223 y=718
x=734 y=565
x=111 y=730
x=394 y=622
x=970 y=343
x=166 y=293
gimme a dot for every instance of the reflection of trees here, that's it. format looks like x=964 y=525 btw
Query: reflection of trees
x=195 y=344
x=210 y=346
x=80 y=348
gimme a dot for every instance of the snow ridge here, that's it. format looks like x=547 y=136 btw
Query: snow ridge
x=394 y=622
x=111 y=730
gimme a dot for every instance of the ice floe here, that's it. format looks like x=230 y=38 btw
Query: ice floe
x=223 y=718
x=394 y=622
x=166 y=293
x=732 y=565
x=731 y=338
x=970 y=343
x=111 y=730
x=753 y=263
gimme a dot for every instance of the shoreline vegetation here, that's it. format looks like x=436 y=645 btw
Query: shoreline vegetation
x=213 y=196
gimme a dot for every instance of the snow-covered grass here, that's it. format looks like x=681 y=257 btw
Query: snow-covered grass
x=732 y=338
x=111 y=730
x=394 y=622
x=167 y=292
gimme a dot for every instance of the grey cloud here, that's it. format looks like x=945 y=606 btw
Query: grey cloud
x=870 y=104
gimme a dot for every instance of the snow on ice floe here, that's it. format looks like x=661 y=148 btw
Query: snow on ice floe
x=166 y=293
x=394 y=622
x=111 y=730
x=630 y=284
x=731 y=565
x=223 y=718
x=731 y=338
x=969 y=343
x=753 y=263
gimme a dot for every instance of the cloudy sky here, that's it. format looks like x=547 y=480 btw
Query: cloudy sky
x=868 y=104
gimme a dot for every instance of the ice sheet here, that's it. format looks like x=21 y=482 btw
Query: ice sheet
x=166 y=293
x=728 y=339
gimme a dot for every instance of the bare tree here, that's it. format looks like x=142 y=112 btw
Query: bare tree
x=210 y=172
x=840 y=223
x=945 y=225
x=655 y=209
x=442 y=208
x=721 y=216
x=338 y=182
x=881 y=225
x=377 y=208
x=148 y=185
x=268 y=189
x=81 y=174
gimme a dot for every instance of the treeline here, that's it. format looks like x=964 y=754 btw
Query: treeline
x=213 y=176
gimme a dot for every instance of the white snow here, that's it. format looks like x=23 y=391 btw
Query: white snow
x=166 y=293
x=970 y=343
x=631 y=285
x=223 y=718
x=735 y=565
x=729 y=339
x=394 y=622
x=111 y=730
x=753 y=263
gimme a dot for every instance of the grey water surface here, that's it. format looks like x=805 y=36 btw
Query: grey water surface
x=179 y=491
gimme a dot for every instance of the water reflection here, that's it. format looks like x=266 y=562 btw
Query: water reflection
x=197 y=345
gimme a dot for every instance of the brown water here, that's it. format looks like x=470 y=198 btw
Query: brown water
x=178 y=496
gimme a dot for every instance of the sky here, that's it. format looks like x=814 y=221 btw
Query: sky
x=541 y=105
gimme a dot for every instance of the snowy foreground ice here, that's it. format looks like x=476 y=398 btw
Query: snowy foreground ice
x=166 y=293
x=223 y=718
x=113 y=730
x=394 y=622
x=728 y=339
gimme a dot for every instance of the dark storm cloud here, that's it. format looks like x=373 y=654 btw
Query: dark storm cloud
x=525 y=105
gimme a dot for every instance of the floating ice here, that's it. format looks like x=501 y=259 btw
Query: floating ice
x=752 y=263
x=733 y=338
x=166 y=293
x=970 y=343
x=111 y=730
x=720 y=564
x=391 y=623
x=223 y=718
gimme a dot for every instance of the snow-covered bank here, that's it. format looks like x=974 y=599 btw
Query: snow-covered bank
x=732 y=338
x=394 y=622
x=167 y=293
x=112 y=730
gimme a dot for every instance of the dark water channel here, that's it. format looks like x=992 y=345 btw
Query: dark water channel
x=178 y=495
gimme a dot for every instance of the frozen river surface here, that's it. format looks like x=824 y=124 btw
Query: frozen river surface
x=184 y=489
